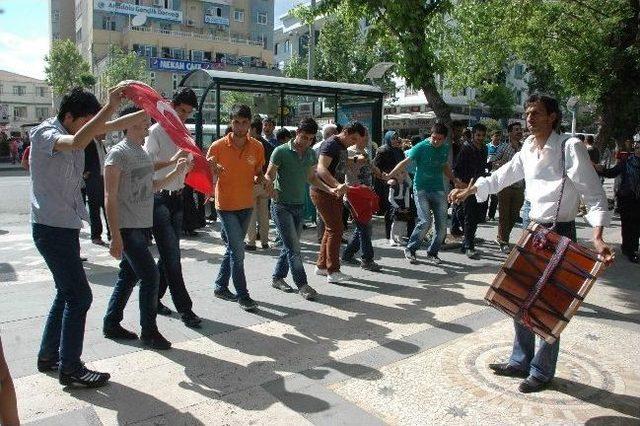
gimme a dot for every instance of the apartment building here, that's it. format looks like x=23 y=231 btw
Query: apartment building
x=177 y=36
x=23 y=102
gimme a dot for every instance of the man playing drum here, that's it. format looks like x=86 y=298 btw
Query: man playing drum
x=539 y=163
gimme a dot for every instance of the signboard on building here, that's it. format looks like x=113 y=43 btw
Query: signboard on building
x=132 y=9
x=178 y=66
x=217 y=20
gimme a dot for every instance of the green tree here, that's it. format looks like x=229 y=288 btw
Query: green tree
x=295 y=67
x=499 y=98
x=65 y=68
x=585 y=48
x=121 y=66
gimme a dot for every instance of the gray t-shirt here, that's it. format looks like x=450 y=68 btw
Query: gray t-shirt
x=135 y=190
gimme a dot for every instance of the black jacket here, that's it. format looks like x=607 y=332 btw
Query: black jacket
x=471 y=162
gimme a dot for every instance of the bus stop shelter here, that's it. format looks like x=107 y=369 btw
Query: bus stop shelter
x=351 y=102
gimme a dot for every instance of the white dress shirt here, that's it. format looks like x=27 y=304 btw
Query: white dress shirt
x=161 y=148
x=542 y=171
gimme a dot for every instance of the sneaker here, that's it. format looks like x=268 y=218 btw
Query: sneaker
x=471 y=254
x=434 y=259
x=155 y=340
x=307 y=292
x=191 y=320
x=85 y=378
x=250 y=247
x=118 y=332
x=281 y=284
x=505 y=248
x=351 y=261
x=338 y=277
x=410 y=256
x=225 y=294
x=47 y=365
x=370 y=266
x=321 y=272
x=247 y=303
x=163 y=310
x=393 y=243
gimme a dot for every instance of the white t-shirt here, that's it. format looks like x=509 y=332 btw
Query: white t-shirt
x=161 y=148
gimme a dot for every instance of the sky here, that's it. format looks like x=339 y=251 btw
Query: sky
x=24 y=34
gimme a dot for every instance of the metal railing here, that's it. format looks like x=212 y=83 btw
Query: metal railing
x=196 y=35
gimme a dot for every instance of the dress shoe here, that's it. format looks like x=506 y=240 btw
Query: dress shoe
x=531 y=384
x=507 y=370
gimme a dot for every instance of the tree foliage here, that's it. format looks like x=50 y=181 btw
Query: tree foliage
x=121 y=66
x=295 y=67
x=65 y=68
x=500 y=100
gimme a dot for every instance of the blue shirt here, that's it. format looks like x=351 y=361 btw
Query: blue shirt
x=429 y=163
x=56 y=179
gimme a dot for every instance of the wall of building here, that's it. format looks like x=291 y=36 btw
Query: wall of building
x=23 y=100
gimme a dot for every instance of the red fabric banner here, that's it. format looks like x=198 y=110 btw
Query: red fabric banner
x=363 y=203
x=145 y=97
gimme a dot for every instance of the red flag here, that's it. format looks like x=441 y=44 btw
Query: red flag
x=363 y=203
x=200 y=177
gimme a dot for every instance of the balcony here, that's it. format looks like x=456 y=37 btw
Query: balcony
x=195 y=35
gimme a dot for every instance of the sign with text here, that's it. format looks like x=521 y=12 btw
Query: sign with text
x=217 y=20
x=177 y=65
x=132 y=9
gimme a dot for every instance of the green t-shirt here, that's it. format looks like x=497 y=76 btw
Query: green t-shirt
x=292 y=172
x=429 y=162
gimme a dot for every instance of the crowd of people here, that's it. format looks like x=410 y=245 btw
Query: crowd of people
x=261 y=172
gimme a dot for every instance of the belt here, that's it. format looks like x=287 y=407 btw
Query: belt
x=168 y=193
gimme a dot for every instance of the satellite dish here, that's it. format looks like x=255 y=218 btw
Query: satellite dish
x=378 y=70
x=139 y=20
x=572 y=102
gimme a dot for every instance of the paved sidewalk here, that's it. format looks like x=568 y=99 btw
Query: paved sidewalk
x=408 y=346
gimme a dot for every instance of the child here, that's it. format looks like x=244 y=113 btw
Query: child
x=400 y=202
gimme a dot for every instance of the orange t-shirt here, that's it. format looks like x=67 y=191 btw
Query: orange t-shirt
x=234 y=189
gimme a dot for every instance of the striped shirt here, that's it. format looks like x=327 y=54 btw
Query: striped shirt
x=503 y=155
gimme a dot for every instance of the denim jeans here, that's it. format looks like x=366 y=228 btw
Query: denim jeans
x=64 y=330
x=541 y=364
x=167 y=226
x=137 y=264
x=360 y=240
x=289 y=219
x=426 y=203
x=526 y=208
x=234 y=228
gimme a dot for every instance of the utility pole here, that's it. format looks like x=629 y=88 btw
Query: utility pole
x=312 y=43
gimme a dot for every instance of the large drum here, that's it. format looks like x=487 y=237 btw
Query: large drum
x=544 y=280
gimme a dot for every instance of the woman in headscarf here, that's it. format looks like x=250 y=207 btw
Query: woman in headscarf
x=628 y=195
x=387 y=157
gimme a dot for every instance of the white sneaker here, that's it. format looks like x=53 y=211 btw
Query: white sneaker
x=338 y=277
x=393 y=243
x=321 y=272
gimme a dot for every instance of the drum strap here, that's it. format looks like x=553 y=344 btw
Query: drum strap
x=554 y=262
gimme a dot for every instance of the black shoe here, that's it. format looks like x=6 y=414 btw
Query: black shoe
x=155 y=340
x=247 y=303
x=507 y=370
x=191 y=320
x=48 y=365
x=225 y=294
x=370 y=266
x=281 y=284
x=351 y=261
x=265 y=245
x=117 y=332
x=633 y=258
x=84 y=377
x=531 y=384
x=307 y=292
x=250 y=247
x=410 y=256
x=163 y=310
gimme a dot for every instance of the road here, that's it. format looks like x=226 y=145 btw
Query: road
x=407 y=346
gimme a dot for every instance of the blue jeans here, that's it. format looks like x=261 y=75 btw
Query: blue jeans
x=426 y=203
x=137 y=264
x=64 y=330
x=526 y=208
x=360 y=240
x=167 y=226
x=540 y=364
x=289 y=219
x=234 y=228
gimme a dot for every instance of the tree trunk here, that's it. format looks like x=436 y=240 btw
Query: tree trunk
x=437 y=103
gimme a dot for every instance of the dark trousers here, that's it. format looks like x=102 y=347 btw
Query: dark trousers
x=510 y=202
x=630 y=217
x=192 y=219
x=457 y=219
x=167 y=225
x=493 y=206
x=63 y=335
x=95 y=200
x=137 y=264
x=473 y=213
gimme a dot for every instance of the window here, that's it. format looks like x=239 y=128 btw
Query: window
x=55 y=15
x=176 y=80
x=519 y=97
x=275 y=48
x=518 y=71
x=178 y=54
x=19 y=90
x=42 y=113
x=287 y=46
x=108 y=23
x=238 y=15
x=214 y=11
x=19 y=112
x=197 y=55
x=262 y=19
x=41 y=91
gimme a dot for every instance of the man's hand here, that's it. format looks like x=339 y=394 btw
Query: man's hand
x=340 y=190
x=216 y=168
x=458 y=195
x=606 y=254
x=268 y=187
x=181 y=153
x=116 y=94
x=115 y=248
x=182 y=165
